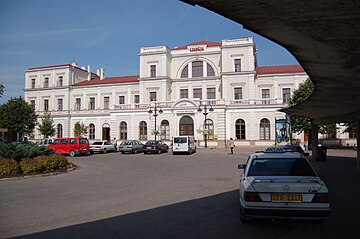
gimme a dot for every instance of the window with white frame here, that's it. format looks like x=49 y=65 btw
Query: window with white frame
x=32 y=103
x=106 y=102
x=286 y=93
x=152 y=70
x=33 y=83
x=184 y=93
x=78 y=104
x=152 y=96
x=46 y=104
x=237 y=65
x=238 y=93
x=121 y=99
x=60 y=81
x=92 y=103
x=264 y=129
x=197 y=69
x=197 y=93
x=265 y=95
x=60 y=104
x=46 y=82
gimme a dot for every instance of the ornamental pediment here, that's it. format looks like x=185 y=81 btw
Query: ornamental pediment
x=185 y=103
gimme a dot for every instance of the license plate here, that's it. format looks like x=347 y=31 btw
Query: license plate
x=286 y=197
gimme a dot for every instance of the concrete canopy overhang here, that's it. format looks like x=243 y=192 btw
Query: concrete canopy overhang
x=323 y=35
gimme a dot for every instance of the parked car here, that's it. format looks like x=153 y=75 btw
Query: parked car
x=102 y=147
x=280 y=184
x=131 y=146
x=157 y=146
x=290 y=148
x=71 y=146
x=46 y=142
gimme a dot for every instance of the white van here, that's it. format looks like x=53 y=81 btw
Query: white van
x=183 y=144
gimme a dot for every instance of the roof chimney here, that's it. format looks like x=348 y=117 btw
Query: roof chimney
x=102 y=73
x=89 y=72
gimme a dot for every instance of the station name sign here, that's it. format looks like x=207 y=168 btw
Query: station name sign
x=196 y=48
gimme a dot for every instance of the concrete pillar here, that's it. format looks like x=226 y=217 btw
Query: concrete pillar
x=314 y=141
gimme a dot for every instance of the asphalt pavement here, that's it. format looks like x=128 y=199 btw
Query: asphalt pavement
x=165 y=196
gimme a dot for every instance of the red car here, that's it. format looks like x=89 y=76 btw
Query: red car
x=71 y=146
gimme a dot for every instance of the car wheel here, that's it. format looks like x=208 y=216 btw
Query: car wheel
x=135 y=151
x=104 y=151
x=72 y=153
x=123 y=152
x=159 y=151
x=243 y=218
x=91 y=152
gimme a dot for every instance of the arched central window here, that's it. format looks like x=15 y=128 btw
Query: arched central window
x=264 y=129
x=240 y=129
x=123 y=130
x=186 y=126
x=91 y=131
x=143 y=130
x=165 y=130
x=196 y=69
x=209 y=125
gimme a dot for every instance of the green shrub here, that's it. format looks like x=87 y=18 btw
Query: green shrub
x=19 y=151
x=42 y=164
x=9 y=168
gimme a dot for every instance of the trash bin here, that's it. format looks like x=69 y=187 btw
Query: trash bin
x=322 y=154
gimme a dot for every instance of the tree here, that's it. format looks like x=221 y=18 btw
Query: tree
x=47 y=127
x=302 y=124
x=18 y=117
x=79 y=129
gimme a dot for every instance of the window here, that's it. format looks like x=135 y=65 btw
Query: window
x=91 y=131
x=137 y=99
x=153 y=96
x=32 y=83
x=64 y=141
x=92 y=103
x=286 y=95
x=352 y=133
x=46 y=105
x=164 y=130
x=197 y=93
x=123 y=130
x=210 y=70
x=106 y=102
x=240 y=129
x=185 y=72
x=184 y=93
x=59 y=131
x=209 y=125
x=237 y=65
x=211 y=93
x=32 y=103
x=142 y=130
x=264 y=129
x=60 y=81
x=78 y=104
x=46 y=82
x=197 y=69
x=121 y=99
x=238 y=93
x=152 y=70
x=60 y=104
x=265 y=94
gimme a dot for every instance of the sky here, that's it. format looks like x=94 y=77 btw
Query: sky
x=107 y=34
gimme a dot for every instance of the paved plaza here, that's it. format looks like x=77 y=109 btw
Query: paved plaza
x=164 y=196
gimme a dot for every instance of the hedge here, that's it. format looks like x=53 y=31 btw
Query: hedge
x=20 y=151
x=9 y=168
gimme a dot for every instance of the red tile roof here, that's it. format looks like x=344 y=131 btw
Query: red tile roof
x=109 y=80
x=262 y=70
x=207 y=43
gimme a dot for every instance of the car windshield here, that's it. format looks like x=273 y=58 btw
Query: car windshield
x=180 y=140
x=281 y=167
x=97 y=143
x=126 y=143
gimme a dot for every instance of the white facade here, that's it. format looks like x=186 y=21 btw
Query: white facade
x=223 y=76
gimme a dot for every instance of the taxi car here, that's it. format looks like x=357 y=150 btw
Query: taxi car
x=280 y=184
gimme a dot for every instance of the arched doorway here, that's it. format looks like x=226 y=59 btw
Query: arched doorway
x=186 y=126
x=106 y=132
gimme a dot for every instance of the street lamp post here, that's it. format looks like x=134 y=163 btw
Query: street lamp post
x=155 y=113
x=205 y=113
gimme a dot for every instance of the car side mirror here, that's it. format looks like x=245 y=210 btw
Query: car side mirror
x=241 y=166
